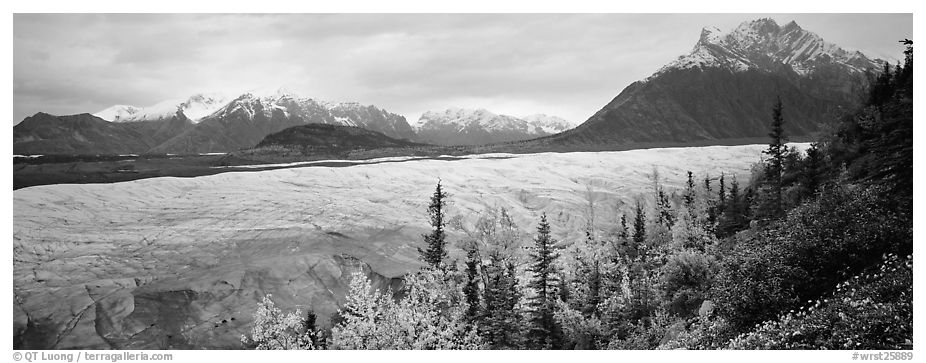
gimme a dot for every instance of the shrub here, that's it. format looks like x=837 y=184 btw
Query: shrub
x=873 y=310
x=805 y=255
x=684 y=281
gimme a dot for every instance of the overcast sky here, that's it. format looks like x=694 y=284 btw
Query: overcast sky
x=564 y=65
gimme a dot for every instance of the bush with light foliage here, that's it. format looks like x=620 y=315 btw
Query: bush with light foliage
x=431 y=315
x=274 y=330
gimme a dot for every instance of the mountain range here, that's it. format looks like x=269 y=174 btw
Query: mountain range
x=202 y=123
x=722 y=89
x=458 y=126
x=247 y=119
x=205 y=123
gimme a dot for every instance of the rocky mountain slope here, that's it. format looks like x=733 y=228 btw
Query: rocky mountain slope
x=81 y=134
x=457 y=126
x=725 y=87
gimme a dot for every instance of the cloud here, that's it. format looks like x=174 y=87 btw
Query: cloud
x=564 y=64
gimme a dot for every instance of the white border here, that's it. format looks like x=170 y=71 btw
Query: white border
x=472 y=6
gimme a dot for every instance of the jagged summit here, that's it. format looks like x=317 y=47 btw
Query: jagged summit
x=762 y=44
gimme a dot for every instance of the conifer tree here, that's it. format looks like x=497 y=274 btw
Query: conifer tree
x=436 y=245
x=707 y=184
x=722 y=193
x=638 y=274
x=622 y=244
x=639 y=226
x=593 y=282
x=544 y=281
x=734 y=194
x=623 y=234
x=689 y=197
x=471 y=287
x=771 y=204
x=736 y=215
x=664 y=209
x=810 y=170
x=711 y=204
x=500 y=320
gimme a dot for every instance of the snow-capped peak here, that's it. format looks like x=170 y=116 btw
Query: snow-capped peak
x=117 y=113
x=195 y=107
x=763 y=44
x=549 y=124
x=201 y=105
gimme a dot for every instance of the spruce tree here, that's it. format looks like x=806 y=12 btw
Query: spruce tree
x=639 y=226
x=777 y=150
x=544 y=282
x=712 y=208
x=623 y=234
x=436 y=245
x=593 y=282
x=664 y=209
x=736 y=212
x=734 y=195
x=810 y=170
x=722 y=193
x=689 y=196
x=638 y=274
x=500 y=320
x=471 y=287
x=623 y=244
